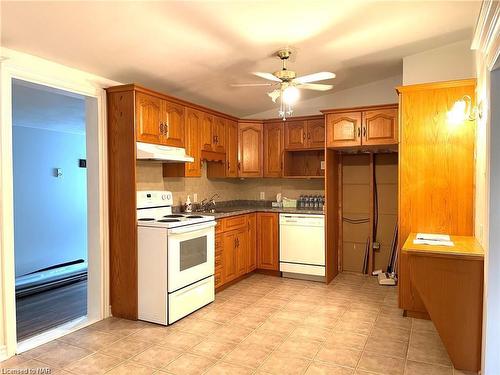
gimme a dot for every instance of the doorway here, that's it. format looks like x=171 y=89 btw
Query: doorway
x=50 y=181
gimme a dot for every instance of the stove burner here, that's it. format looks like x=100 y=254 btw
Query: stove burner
x=168 y=220
x=194 y=217
x=174 y=215
x=146 y=219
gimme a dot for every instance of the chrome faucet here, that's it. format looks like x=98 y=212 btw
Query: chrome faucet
x=208 y=205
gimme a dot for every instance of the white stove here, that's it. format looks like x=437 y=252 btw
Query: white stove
x=154 y=209
x=176 y=259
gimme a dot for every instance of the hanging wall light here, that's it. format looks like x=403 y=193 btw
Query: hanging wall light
x=463 y=110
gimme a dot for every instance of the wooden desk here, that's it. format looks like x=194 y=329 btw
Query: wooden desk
x=449 y=280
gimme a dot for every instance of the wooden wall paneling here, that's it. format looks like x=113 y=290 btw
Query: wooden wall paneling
x=250 y=149
x=340 y=214
x=331 y=214
x=122 y=204
x=273 y=149
x=436 y=182
x=267 y=241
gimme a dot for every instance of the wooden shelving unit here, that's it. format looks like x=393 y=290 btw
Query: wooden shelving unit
x=303 y=164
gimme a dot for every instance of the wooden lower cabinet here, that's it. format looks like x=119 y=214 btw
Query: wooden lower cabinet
x=236 y=243
x=267 y=241
x=252 y=242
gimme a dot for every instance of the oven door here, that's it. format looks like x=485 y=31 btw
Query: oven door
x=191 y=251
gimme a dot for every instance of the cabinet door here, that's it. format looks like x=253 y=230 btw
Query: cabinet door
x=229 y=256
x=316 y=133
x=231 y=149
x=273 y=149
x=267 y=241
x=250 y=149
x=343 y=129
x=192 y=143
x=380 y=127
x=252 y=242
x=147 y=112
x=219 y=134
x=206 y=132
x=295 y=135
x=241 y=251
x=173 y=115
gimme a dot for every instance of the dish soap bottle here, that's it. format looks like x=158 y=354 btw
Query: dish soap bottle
x=188 y=207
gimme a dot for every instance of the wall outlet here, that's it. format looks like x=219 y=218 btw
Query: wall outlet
x=322 y=165
x=262 y=195
x=195 y=197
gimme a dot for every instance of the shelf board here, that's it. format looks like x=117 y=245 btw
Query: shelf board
x=305 y=177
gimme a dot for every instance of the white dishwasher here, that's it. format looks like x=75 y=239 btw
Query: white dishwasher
x=302 y=244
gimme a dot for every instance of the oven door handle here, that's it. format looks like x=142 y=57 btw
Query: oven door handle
x=191 y=228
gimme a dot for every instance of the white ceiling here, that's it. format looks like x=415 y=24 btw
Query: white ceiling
x=41 y=107
x=194 y=50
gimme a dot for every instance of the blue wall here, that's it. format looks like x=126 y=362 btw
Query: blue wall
x=50 y=213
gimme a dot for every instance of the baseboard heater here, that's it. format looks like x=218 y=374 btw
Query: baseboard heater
x=51 y=278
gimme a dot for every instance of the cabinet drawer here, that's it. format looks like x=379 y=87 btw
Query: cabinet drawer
x=235 y=222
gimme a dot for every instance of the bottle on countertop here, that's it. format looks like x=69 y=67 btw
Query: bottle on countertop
x=188 y=207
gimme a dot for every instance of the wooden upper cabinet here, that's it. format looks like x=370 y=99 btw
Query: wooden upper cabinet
x=316 y=133
x=219 y=134
x=295 y=135
x=267 y=241
x=173 y=119
x=206 y=132
x=380 y=127
x=363 y=126
x=192 y=145
x=343 y=129
x=148 y=118
x=231 y=148
x=250 y=149
x=273 y=149
x=193 y=125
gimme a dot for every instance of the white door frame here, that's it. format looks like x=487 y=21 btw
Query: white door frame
x=18 y=65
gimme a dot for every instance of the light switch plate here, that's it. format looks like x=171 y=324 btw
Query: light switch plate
x=195 y=197
x=262 y=195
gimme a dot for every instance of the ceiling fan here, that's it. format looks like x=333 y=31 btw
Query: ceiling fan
x=288 y=84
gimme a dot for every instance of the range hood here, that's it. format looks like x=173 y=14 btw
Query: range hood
x=164 y=154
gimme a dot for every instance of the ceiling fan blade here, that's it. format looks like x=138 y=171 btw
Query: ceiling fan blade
x=320 y=76
x=268 y=76
x=315 y=86
x=250 y=84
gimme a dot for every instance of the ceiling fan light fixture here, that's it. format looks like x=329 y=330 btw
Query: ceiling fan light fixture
x=291 y=95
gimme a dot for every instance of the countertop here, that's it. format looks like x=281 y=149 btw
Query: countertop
x=249 y=209
x=464 y=246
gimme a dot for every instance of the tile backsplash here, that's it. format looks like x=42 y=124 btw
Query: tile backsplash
x=150 y=177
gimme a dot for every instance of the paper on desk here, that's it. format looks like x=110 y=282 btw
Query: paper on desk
x=433 y=242
x=433 y=239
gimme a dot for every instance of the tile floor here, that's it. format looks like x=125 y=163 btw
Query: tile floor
x=261 y=325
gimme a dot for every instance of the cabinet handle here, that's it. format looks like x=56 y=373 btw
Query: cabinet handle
x=228 y=163
x=364 y=132
x=166 y=129
x=304 y=136
x=359 y=132
x=308 y=135
x=239 y=165
x=161 y=128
